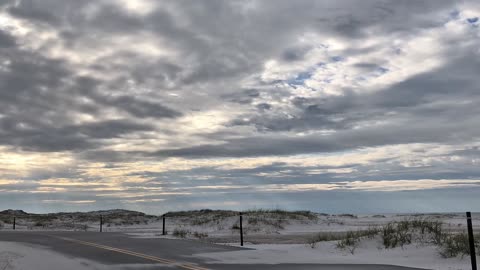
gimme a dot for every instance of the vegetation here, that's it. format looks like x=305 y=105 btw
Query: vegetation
x=202 y=212
x=254 y=220
x=324 y=236
x=200 y=235
x=282 y=214
x=401 y=233
x=74 y=220
x=454 y=245
x=350 y=242
x=346 y=240
x=348 y=215
x=421 y=229
x=181 y=233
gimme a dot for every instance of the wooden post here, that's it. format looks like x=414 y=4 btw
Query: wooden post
x=163 y=228
x=241 y=229
x=471 y=241
x=14 y=221
x=101 y=223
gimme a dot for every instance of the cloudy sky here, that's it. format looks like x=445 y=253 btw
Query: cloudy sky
x=332 y=106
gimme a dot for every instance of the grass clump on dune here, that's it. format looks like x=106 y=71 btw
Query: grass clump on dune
x=401 y=233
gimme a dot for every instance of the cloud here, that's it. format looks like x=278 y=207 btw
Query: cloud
x=119 y=103
x=69 y=202
x=397 y=185
x=6 y=40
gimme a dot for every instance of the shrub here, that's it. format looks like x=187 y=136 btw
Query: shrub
x=322 y=237
x=348 y=215
x=345 y=239
x=370 y=232
x=350 y=242
x=181 y=233
x=388 y=236
x=276 y=223
x=454 y=245
x=200 y=235
x=38 y=224
x=282 y=214
x=397 y=234
x=405 y=232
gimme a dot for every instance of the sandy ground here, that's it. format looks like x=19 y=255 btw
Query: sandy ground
x=292 y=231
x=367 y=253
x=15 y=256
x=20 y=256
x=285 y=244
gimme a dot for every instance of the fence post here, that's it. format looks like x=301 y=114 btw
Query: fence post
x=101 y=223
x=14 y=221
x=241 y=229
x=163 y=227
x=471 y=241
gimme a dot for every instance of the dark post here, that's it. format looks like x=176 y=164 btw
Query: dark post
x=163 y=228
x=241 y=230
x=101 y=223
x=14 y=223
x=471 y=241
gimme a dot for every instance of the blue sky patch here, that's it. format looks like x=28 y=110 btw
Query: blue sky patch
x=383 y=70
x=454 y=14
x=337 y=58
x=301 y=78
x=472 y=20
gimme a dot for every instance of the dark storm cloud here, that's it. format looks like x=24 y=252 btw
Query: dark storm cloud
x=366 y=66
x=38 y=96
x=294 y=54
x=141 y=108
x=6 y=40
x=264 y=106
x=32 y=10
x=110 y=156
x=242 y=97
x=341 y=141
x=51 y=137
x=107 y=129
x=144 y=71
x=30 y=104
x=135 y=106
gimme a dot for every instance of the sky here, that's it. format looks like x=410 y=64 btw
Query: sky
x=330 y=106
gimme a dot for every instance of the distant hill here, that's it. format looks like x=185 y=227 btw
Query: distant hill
x=11 y=212
x=118 y=212
x=75 y=220
x=121 y=212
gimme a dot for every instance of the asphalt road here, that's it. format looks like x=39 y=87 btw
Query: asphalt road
x=119 y=249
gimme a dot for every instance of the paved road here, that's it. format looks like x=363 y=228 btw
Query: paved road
x=118 y=248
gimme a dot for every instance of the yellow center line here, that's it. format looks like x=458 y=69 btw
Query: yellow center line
x=136 y=254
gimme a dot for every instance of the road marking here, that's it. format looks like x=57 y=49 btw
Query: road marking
x=136 y=254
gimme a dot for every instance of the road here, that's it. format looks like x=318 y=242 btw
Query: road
x=119 y=249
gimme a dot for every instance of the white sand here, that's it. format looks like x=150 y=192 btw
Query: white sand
x=368 y=252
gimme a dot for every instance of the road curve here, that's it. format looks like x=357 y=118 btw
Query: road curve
x=118 y=249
